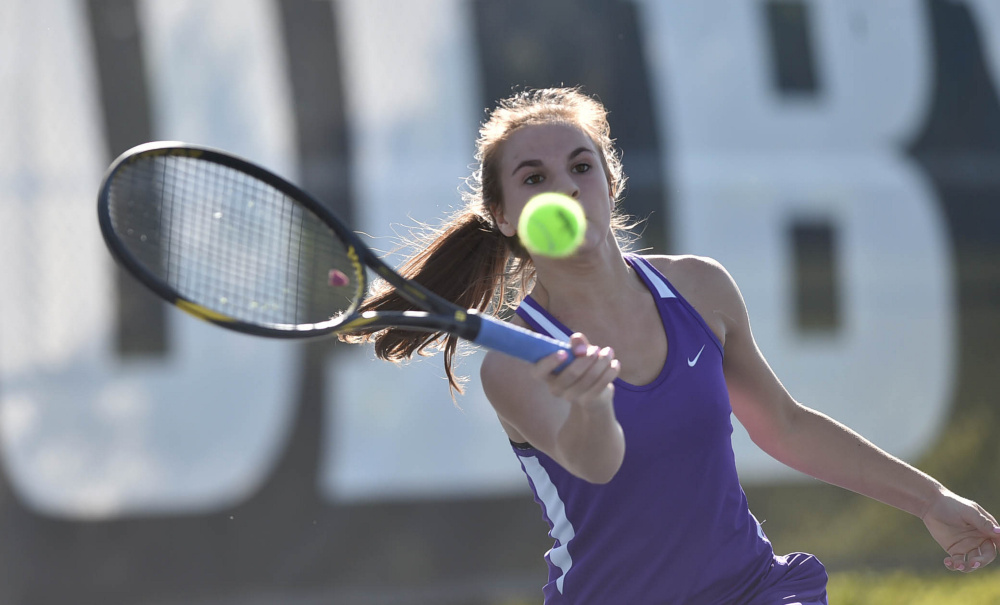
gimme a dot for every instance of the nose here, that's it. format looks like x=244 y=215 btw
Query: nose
x=568 y=186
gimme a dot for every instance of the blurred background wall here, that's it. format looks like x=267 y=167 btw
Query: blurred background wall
x=840 y=157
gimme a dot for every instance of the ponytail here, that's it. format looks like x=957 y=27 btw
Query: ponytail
x=466 y=261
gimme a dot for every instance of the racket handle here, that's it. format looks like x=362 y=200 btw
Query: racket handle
x=517 y=341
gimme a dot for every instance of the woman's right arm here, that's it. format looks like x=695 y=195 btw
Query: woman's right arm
x=570 y=415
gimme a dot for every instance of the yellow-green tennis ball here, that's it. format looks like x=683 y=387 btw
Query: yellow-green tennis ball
x=552 y=224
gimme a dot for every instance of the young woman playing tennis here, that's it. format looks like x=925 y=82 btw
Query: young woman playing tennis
x=628 y=449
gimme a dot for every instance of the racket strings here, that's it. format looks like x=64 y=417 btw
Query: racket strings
x=231 y=243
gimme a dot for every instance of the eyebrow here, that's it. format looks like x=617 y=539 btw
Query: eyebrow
x=572 y=155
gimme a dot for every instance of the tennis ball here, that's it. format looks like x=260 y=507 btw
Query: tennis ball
x=552 y=224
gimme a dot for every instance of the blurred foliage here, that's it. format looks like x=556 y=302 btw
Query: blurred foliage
x=908 y=588
x=902 y=588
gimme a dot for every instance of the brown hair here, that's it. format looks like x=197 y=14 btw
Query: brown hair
x=467 y=260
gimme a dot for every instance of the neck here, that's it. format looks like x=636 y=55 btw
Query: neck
x=598 y=278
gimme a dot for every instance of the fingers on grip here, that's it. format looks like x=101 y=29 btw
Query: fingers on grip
x=591 y=370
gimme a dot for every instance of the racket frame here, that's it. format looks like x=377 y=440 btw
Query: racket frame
x=438 y=314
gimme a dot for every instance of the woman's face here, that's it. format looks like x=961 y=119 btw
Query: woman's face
x=539 y=158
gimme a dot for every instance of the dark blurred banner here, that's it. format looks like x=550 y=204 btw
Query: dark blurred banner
x=841 y=158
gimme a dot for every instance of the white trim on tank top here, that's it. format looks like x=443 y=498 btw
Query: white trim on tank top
x=562 y=529
x=543 y=321
x=662 y=289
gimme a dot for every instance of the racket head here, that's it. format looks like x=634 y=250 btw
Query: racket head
x=231 y=242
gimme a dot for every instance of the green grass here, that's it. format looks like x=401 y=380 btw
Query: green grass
x=911 y=588
x=900 y=587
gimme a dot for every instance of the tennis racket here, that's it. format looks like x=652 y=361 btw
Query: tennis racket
x=238 y=246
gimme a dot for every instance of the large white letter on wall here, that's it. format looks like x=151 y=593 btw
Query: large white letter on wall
x=747 y=160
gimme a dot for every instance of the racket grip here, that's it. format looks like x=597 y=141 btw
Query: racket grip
x=517 y=341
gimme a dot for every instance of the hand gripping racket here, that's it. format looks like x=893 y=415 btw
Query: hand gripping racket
x=233 y=244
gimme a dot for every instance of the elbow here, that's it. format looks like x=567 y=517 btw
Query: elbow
x=602 y=478
x=591 y=446
x=598 y=475
x=601 y=466
x=775 y=435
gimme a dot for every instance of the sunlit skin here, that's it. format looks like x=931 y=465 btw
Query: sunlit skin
x=570 y=415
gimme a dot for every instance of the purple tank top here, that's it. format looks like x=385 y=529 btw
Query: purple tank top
x=673 y=525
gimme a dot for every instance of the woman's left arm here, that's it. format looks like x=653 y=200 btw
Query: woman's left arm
x=813 y=443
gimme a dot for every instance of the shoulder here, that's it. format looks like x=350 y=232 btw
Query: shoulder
x=707 y=285
x=503 y=379
x=692 y=274
x=498 y=366
x=683 y=262
x=495 y=368
x=495 y=371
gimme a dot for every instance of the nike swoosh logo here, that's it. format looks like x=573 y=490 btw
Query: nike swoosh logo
x=691 y=362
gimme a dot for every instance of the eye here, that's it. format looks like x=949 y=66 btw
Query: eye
x=581 y=167
x=533 y=179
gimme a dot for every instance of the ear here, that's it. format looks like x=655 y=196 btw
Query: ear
x=506 y=227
